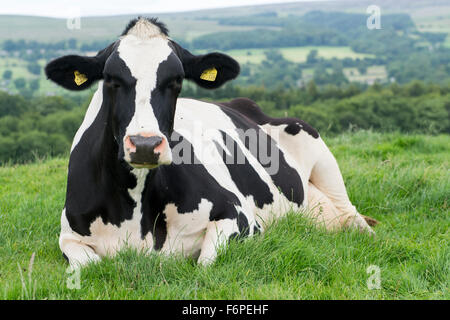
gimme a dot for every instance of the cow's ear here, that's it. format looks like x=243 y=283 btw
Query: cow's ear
x=210 y=70
x=78 y=72
x=75 y=72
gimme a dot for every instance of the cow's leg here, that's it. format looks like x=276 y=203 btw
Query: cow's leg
x=324 y=213
x=77 y=253
x=217 y=235
x=321 y=209
x=327 y=177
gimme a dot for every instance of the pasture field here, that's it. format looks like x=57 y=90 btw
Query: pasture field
x=296 y=54
x=428 y=16
x=373 y=73
x=19 y=70
x=252 y=55
x=401 y=180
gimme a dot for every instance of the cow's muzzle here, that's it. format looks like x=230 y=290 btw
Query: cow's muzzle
x=146 y=150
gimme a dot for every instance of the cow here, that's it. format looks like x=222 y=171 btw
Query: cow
x=155 y=172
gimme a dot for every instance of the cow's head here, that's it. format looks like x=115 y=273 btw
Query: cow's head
x=142 y=75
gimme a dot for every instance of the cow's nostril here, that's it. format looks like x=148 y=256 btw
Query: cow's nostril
x=131 y=147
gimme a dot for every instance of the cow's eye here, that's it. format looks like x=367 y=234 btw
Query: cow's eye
x=111 y=82
x=115 y=85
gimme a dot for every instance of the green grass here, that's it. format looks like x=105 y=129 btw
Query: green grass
x=401 y=180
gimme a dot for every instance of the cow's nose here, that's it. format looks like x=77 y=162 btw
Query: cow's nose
x=145 y=143
x=144 y=149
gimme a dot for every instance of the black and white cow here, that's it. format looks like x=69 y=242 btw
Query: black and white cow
x=154 y=172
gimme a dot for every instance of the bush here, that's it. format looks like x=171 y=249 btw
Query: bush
x=7 y=75
x=20 y=83
x=12 y=105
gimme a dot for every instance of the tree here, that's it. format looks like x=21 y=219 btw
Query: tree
x=312 y=57
x=72 y=43
x=7 y=149
x=48 y=105
x=416 y=88
x=34 y=68
x=7 y=75
x=34 y=84
x=311 y=89
x=13 y=105
x=434 y=37
x=8 y=125
x=362 y=68
x=20 y=83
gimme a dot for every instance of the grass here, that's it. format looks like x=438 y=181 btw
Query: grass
x=401 y=180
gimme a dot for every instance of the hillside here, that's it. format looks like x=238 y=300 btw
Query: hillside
x=284 y=45
x=429 y=15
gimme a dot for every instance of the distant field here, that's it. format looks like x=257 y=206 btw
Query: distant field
x=401 y=180
x=100 y=28
x=374 y=73
x=428 y=15
x=432 y=16
x=447 y=42
x=17 y=66
x=256 y=56
x=19 y=70
x=440 y=25
x=295 y=54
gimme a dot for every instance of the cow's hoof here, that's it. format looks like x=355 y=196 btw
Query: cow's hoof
x=370 y=221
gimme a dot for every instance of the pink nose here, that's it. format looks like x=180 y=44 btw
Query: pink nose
x=144 y=148
x=131 y=141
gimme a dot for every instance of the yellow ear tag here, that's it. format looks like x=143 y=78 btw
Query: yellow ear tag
x=79 y=78
x=209 y=74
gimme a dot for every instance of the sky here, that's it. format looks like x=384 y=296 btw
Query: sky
x=69 y=8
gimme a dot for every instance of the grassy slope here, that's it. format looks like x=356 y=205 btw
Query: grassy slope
x=402 y=180
x=101 y=28
x=428 y=15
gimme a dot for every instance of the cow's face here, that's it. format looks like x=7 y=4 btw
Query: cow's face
x=142 y=80
x=143 y=73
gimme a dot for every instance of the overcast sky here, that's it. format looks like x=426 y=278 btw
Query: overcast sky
x=66 y=8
